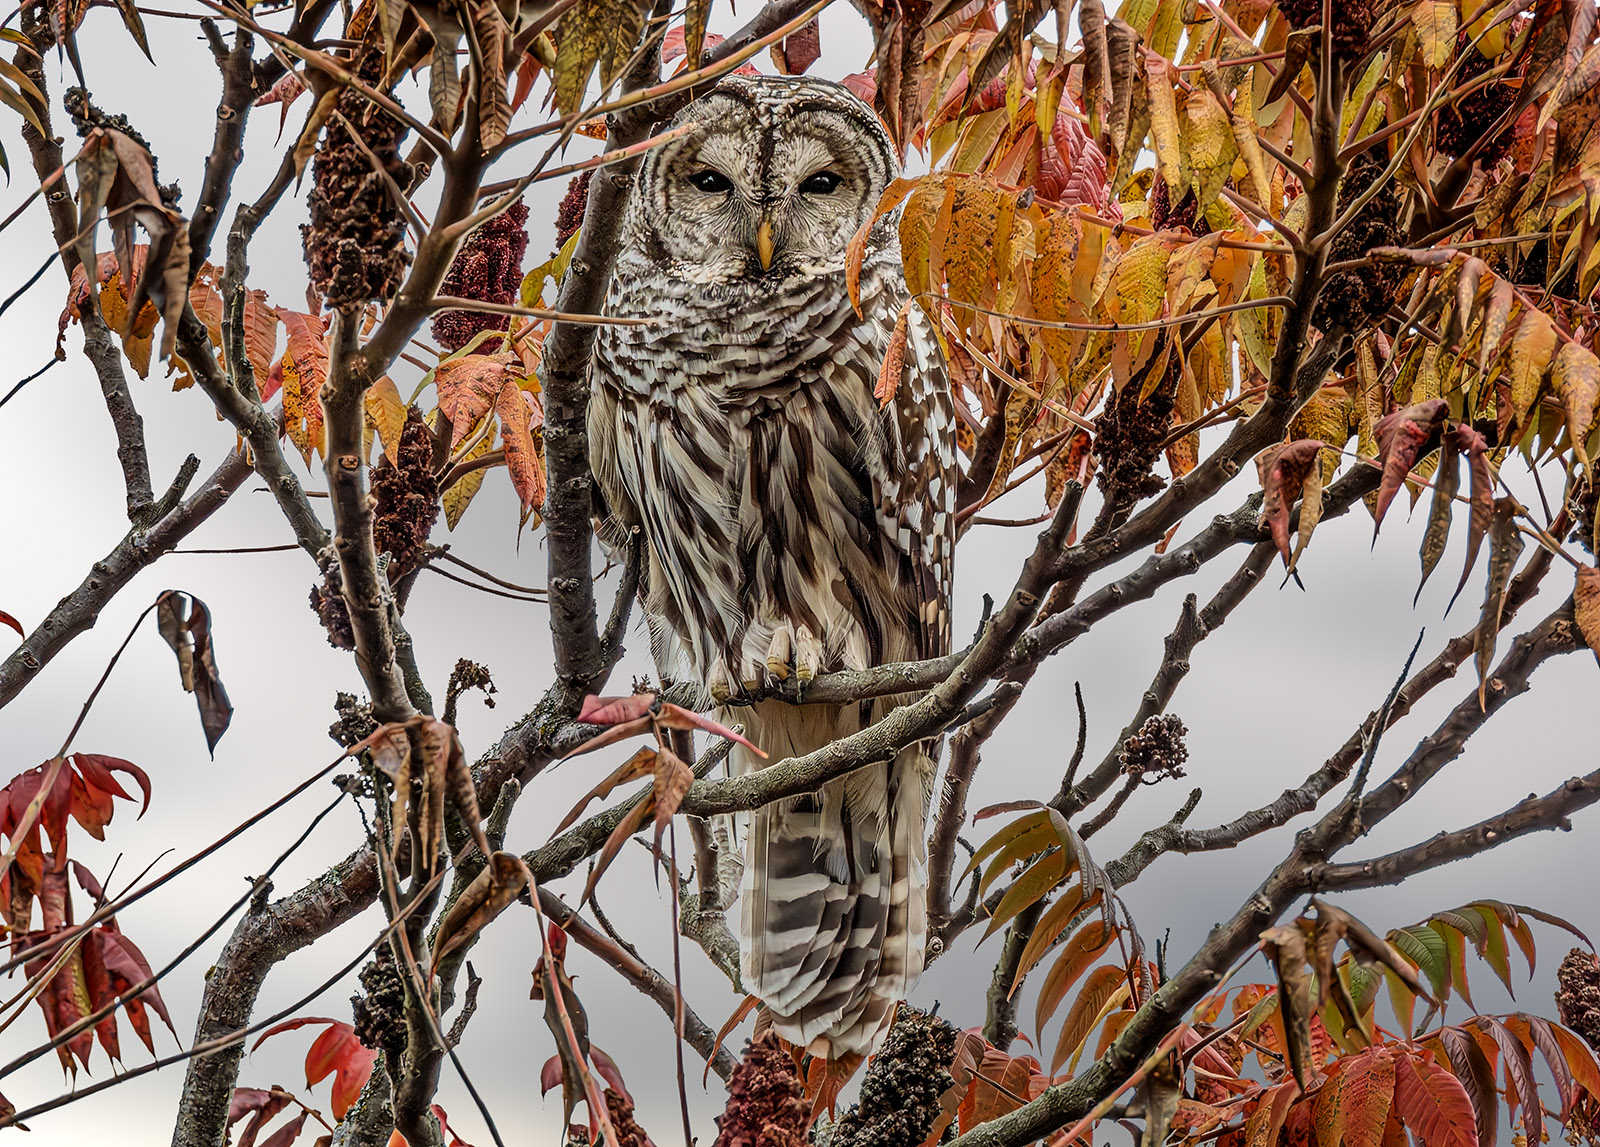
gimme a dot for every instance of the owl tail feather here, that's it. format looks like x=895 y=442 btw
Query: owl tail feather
x=835 y=888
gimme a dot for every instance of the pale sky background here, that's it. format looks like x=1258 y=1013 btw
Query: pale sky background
x=1270 y=696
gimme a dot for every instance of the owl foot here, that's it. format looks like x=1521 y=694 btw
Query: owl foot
x=793 y=649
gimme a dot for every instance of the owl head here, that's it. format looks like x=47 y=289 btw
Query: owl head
x=778 y=176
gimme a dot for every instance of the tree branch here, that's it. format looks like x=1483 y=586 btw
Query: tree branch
x=80 y=609
x=267 y=935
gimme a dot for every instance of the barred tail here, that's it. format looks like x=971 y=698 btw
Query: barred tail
x=835 y=887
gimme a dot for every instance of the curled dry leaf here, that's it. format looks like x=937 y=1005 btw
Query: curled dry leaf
x=185 y=623
x=1446 y=480
x=1401 y=437
x=491 y=892
x=116 y=175
x=1505 y=546
x=1285 y=946
x=1586 y=606
x=426 y=748
x=894 y=360
x=7 y=619
x=1480 y=496
x=1286 y=472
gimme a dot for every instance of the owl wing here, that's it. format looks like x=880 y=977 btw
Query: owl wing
x=918 y=490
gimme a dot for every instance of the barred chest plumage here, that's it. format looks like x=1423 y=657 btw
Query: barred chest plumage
x=745 y=432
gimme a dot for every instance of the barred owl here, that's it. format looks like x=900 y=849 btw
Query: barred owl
x=791 y=524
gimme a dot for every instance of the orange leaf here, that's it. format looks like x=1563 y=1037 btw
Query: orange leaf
x=522 y=455
x=1433 y=1103
x=894 y=361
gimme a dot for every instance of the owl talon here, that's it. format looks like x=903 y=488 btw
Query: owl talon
x=717 y=685
x=779 y=653
x=807 y=654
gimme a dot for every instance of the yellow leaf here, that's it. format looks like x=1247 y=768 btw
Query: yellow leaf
x=1532 y=345
x=1243 y=123
x=1189 y=269
x=1575 y=377
x=459 y=496
x=1164 y=134
x=1209 y=141
x=387 y=413
x=1435 y=21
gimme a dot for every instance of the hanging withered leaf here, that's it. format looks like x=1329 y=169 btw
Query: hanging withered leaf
x=185 y=623
x=1480 y=496
x=491 y=892
x=428 y=749
x=520 y=414
x=116 y=175
x=1586 y=606
x=1285 y=946
x=1287 y=472
x=1505 y=546
x=1446 y=480
x=1401 y=438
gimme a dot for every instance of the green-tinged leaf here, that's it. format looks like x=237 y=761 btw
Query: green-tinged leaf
x=1425 y=947
x=1575 y=377
x=1533 y=345
x=1165 y=137
x=1435 y=21
x=1403 y=1000
x=459 y=496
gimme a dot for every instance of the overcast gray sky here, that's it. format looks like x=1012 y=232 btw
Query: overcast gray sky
x=1270 y=696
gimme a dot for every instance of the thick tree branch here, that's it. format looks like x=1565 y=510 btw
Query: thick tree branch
x=266 y=936
x=239 y=93
x=1535 y=814
x=365 y=587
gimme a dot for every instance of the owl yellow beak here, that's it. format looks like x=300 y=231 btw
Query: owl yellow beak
x=764 y=244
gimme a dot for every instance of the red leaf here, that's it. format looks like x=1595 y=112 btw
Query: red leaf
x=1433 y=1103
x=672 y=48
x=7 y=619
x=1401 y=437
x=335 y=1052
x=614 y=710
x=286 y=1134
x=609 y=1071
x=124 y=960
x=1284 y=470
x=98 y=770
x=550 y=1075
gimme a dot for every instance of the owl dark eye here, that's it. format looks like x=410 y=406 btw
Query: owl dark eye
x=822 y=183
x=711 y=182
